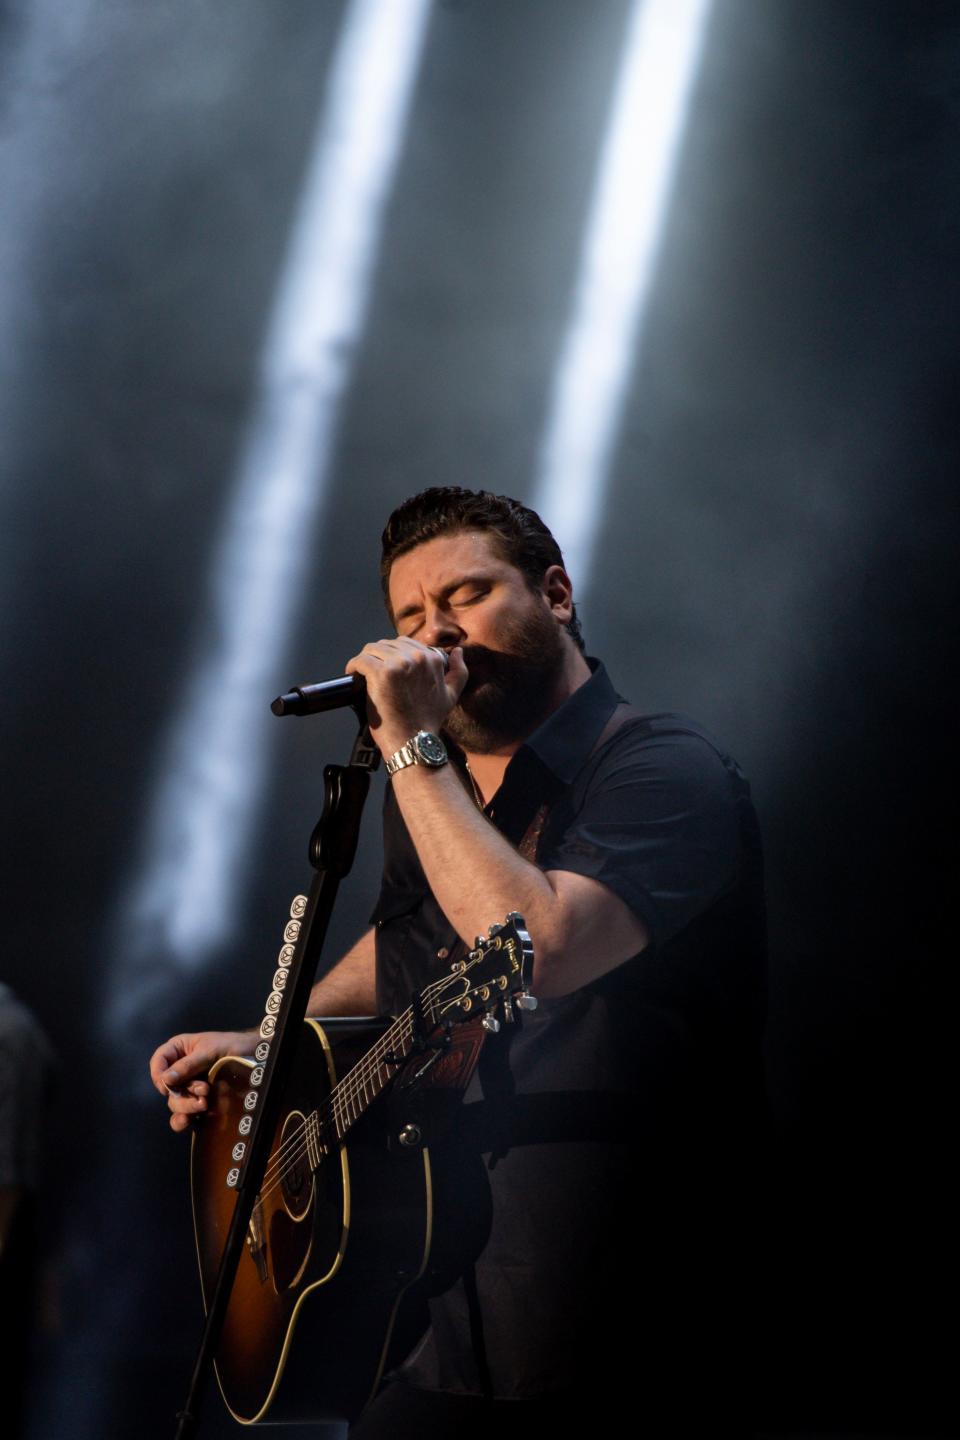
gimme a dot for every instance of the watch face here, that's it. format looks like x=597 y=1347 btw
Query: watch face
x=430 y=748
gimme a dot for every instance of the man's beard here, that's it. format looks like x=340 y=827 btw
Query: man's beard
x=509 y=692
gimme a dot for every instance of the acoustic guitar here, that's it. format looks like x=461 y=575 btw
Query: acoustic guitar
x=345 y=1237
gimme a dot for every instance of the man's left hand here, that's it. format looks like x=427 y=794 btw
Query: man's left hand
x=407 y=688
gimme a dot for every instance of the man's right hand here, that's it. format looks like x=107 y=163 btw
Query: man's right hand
x=179 y=1067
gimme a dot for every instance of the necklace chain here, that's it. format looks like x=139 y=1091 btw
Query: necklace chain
x=476 y=788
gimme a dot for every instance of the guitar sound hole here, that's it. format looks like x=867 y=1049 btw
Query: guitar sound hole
x=297 y=1177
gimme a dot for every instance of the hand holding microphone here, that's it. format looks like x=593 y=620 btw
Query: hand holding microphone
x=334 y=694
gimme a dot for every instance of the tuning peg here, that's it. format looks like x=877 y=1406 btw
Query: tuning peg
x=480 y=941
x=495 y=931
x=525 y=1001
x=491 y=1024
x=508 y=1014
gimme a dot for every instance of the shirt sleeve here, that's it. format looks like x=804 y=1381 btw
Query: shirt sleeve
x=657 y=824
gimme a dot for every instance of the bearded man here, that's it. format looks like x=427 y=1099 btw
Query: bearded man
x=618 y=1128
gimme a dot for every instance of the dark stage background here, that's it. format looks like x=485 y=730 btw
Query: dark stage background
x=774 y=555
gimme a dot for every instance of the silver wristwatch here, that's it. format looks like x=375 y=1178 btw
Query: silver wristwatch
x=424 y=748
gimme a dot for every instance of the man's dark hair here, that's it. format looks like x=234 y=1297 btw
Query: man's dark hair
x=521 y=536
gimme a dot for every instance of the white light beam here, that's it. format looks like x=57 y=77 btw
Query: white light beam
x=661 y=52
x=199 y=829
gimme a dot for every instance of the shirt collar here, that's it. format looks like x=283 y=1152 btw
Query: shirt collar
x=565 y=739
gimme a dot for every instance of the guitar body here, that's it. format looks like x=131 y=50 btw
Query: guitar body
x=337 y=1240
x=353 y=1227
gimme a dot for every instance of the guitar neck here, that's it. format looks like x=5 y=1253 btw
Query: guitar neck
x=492 y=976
x=356 y=1092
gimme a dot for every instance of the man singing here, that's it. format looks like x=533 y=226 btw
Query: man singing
x=618 y=1130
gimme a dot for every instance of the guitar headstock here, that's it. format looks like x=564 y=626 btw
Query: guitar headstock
x=494 y=977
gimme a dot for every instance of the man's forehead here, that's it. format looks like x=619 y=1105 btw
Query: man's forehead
x=442 y=561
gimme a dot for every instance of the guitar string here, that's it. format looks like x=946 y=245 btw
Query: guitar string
x=335 y=1100
x=353 y=1083
x=334 y=1105
x=279 y=1156
x=338 y=1104
x=291 y=1151
x=366 y=1073
x=340 y=1100
x=313 y=1126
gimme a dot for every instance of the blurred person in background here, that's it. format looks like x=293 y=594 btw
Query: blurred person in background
x=25 y=1074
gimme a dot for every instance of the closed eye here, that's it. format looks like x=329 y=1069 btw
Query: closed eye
x=409 y=621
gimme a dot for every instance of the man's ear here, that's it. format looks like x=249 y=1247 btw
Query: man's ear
x=558 y=592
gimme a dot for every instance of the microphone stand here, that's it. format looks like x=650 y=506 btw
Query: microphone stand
x=333 y=845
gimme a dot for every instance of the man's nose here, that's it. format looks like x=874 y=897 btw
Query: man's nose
x=441 y=629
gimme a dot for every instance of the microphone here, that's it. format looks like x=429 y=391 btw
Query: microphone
x=331 y=694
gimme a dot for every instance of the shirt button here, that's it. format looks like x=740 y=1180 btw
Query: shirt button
x=442 y=953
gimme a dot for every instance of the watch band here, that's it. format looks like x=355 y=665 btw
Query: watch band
x=400 y=759
x=424 y=748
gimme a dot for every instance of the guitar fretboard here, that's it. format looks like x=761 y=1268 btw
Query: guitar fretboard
x=352 y=1096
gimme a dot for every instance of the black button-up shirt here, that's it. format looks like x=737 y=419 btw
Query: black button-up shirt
x=601 y=1120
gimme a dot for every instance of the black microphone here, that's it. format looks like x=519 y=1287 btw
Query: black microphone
x=330 y=694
